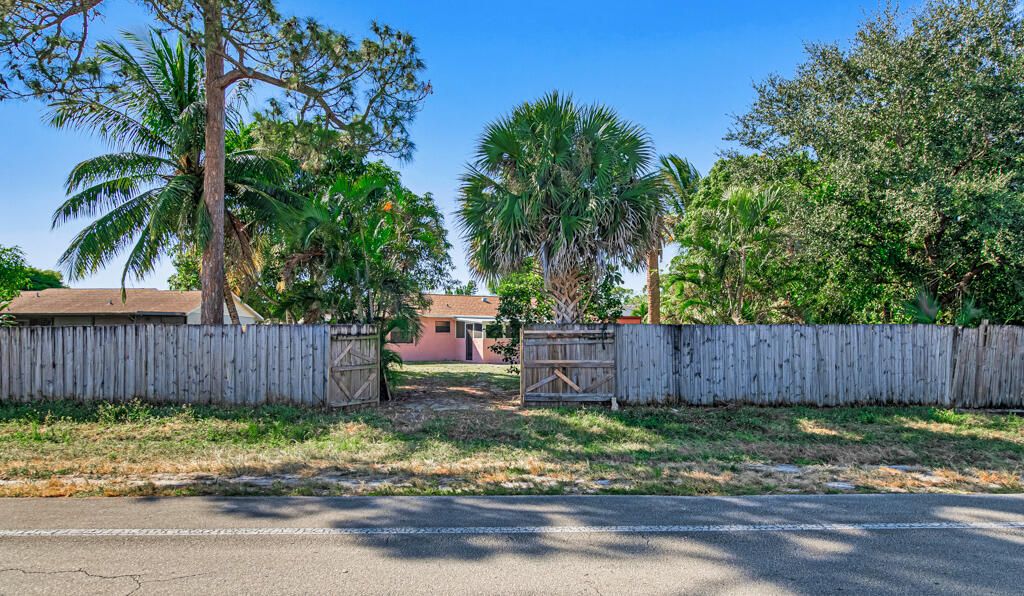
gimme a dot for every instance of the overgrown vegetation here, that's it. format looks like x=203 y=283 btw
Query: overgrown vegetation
x=366 y=92
x=524 y=301
x=472 y=438
x=313 y=231
x=147 y=195
x=16 y=276
x=885 y=176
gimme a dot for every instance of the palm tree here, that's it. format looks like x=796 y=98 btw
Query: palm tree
x=567 y=185
x=680 y=180
x=365 y=252
x=148 y=196
x=731 y=242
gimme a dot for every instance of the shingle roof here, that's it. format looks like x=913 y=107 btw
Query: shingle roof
x=444 y=305
x=90 y=301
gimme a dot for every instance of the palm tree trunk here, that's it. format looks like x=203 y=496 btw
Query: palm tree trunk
x=567 y=295
x=212 y=275
x=653 y=287
x=229 y=302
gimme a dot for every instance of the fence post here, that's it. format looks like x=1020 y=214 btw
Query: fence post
x=982 y=357
x=949 y=398
x=616 y=391
x=522 y=367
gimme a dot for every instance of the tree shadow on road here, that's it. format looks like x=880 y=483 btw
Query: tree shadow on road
x=856 y=561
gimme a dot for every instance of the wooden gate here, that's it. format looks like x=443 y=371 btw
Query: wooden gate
x=567 y=364
x=355 y=366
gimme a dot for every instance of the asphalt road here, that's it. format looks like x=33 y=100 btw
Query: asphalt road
x=858 y=544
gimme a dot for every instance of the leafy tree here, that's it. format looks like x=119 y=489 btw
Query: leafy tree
x=609 y=301
x=680 y=180
x=43 y=279
x=907 y=146
x=523 y=302
x=17 y=276
x=14 y=272
x=368 y=91
x=13 y=275
x=570 y=186
x=364 y=252
x=186 y=271
x=317 y=161
x=149 y=194
x=467 y=289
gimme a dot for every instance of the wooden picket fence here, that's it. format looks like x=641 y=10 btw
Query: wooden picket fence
x=823 y=365
x=304 y=365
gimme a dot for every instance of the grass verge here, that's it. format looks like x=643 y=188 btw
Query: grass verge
x=458 y=431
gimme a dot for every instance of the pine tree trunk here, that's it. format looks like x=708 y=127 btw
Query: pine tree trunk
x=212 y=275
x=653 y=287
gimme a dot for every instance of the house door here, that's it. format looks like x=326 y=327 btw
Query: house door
x=472 y=330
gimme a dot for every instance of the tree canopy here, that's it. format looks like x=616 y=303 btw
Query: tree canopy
x=363 y=251
x=13 y=272
x=43 y=279
x=898 y=169
x=570 y=186
x=147 y=196
x=366 y=91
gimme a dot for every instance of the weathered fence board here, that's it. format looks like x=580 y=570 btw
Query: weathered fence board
x=568 y=363
x=824 y=365
x=354 y=369
x=226 y=365
x=990 y=367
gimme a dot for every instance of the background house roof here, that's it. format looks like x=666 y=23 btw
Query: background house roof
x=107 y=301
x=444 y=305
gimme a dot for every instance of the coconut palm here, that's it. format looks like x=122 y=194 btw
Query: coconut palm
x=568 y=185
x=680 y=180
x=148 y=196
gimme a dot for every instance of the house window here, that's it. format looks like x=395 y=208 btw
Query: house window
x=494 y=331
x=37 y=322
x=399 y=337
x=443 y=327
x=460 y=329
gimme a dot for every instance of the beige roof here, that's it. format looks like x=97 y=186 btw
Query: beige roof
x=443 y=305
x=105 y=301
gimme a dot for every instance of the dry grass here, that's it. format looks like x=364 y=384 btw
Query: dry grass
x=457 y=429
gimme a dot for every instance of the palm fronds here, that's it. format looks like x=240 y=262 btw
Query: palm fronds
x=571 y=186
x=148 y=196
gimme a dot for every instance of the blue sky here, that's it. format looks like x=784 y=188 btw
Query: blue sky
x=678 y=68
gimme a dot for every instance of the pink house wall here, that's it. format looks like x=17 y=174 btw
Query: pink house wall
x=434 y=346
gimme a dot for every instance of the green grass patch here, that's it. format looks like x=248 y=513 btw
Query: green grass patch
x=407 y=448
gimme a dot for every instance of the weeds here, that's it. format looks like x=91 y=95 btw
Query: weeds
x=491 y=447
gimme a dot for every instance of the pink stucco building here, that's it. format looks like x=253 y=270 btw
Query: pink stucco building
x=454 y=329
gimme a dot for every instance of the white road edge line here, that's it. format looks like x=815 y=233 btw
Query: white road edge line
x=482 y=530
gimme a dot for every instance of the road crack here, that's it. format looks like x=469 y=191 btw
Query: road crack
x=137 y=578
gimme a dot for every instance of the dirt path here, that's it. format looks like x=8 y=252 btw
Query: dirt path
x=427 y=389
